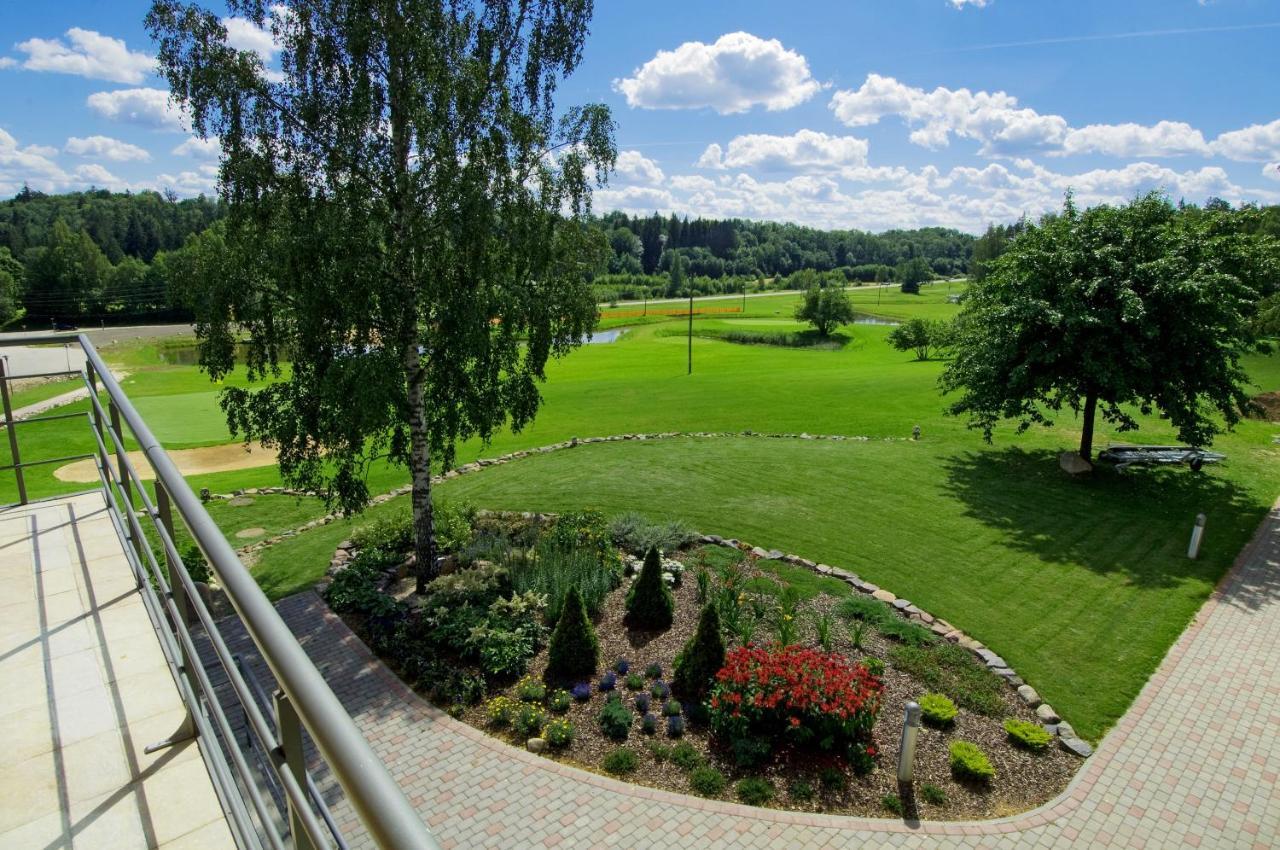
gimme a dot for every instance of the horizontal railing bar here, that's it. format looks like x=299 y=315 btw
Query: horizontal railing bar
x=55 y=417
x=27 y=463
x=66 y=374
x=377 y=799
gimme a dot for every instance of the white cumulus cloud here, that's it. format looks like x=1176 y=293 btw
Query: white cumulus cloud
x=147 y=107
x=804 y=150
x=198 y=148
x=1166 y=138
x=977 y=4
x=87 y=54
x=739 y=71
x=1255 y=143
x=105 y=147
x=638 y=168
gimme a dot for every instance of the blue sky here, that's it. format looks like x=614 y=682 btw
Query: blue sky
x=851 y=113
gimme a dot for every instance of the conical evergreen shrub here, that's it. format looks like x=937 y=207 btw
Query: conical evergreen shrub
x=574 y=652
x=650 y=604
x=700 y=659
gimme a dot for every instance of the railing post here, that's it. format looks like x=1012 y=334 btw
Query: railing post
x=122 y=472
x=289 y=728
x=181 y=601
x=13 y=436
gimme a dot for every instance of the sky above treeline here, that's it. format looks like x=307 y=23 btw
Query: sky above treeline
x=869 y=114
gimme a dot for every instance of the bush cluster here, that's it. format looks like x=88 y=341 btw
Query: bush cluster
x=969 y=762
x=707 y=781
x=615 y=719
x=558 y=733
x=1029 y=736
x=529 y=719
x=356 y=590
x=949 y=668
x=794 y=694
x=620 y=761
x=700 y=659
x=632 y=532
x=937 y=710
x=755 y=790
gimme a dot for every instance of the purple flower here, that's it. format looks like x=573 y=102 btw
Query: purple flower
x=608 y=681
x=582 y=691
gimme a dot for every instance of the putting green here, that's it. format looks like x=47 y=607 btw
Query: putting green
x=185 y=419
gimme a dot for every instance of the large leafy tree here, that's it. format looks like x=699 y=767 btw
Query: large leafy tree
x=406 y=213
x=1117 y=311
x=826 y=308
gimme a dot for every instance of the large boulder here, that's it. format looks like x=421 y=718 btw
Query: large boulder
x=1073 y=464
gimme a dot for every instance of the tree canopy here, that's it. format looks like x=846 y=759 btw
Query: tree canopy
x=826 y=308
x=406 y=222
x=1117 y=310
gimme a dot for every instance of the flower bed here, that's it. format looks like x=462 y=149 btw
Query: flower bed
x=803 y=713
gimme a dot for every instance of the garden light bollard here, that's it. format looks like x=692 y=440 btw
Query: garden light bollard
x=1197 y=532
x=907 y=752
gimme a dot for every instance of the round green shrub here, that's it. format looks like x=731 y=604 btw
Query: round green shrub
x=672 y=708
x=706 y=781
x=650 y=605
x=755 y=791
x=635 y=681
x=620 y=761
x=700 y=659
x=933 y=795
x=1029 y=736
x=874 y=665
x=937 y=710
x=969 y=762
x=615 y=719
x=574 y=652
x=685 y=756
x=558 y=733
x=530 y=689
x=529 y=720
x=560 y=701
x=892 y=803
x=800 y=790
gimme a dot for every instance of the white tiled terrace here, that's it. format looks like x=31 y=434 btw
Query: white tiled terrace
x=84 y=688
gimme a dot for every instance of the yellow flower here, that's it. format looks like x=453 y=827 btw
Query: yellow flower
x=786 y=616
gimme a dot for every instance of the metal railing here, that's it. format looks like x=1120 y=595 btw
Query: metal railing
x=180 y=615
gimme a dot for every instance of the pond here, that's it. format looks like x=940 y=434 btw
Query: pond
x=865 y=319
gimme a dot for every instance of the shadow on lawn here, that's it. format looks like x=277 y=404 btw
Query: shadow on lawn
x=1100 y=521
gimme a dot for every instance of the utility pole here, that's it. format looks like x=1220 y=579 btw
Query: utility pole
x=690 y=285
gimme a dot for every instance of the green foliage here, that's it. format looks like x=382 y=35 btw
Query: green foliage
x=564 y=558
x=478 y=586
x=195 y=563
x=826 y=308
x=1029 y=736
x=504 y=639
x=833 y=779
x=391 y=533
x=911 y=273
x=685 y=756
x=635 y=681
x=452 y=524
x=620 y=761
x=706 y=781
x=950 y=668
x=574 y=652
x=858 y=634
x=650 y=604
x=969 y=762
x=864 y=608
x=823 y=622
x=922 y=336
x=500 y=711
x=701 y=658
x=933 y=795
x=1116 y=311
x=560 y=701
x=633 y=532
x=755 y=791
x=615 y=719
x=892 y=803
x=937 y=710
x=874 y=665
x=529 y=720
x=355 y=590
x=672 y=708
x=906 y=632
x=530 y=689
x=558 y=733
x=800 y=790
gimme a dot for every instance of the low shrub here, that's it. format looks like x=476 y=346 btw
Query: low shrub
x=607 y=682
x=933 y=795
x=800 y=790
x=560 y=701
x=642 y=701
x=555 y=568
x=754 y=790
x=672 y=708
x=558 y=733
x=635 y=681
x=874 y=665
x=508 y=636
x=685 y=756
x=620 y=762
x=937 y=710
x=195 y=563
x=864 y=608
x=950 y=669
x=530 y=689
x=706 y=781
x=833 y=779
x=794 y=694
x=1029 y=736
x=823 y=623
x=615 y=719
x=478 y=587
x=581 y=691
x=858 y=634
x=704 y=586
x=452 y=525
x=912 y=634
x=355 y=590
x=750 y=751
x=969 y=762
x=392 y=532
x=500 y=711
x=892 y=803
x=675 y=727
x=621 y=666
x=634 y=533
x=661 y=752
x=574 y=649
x=649 y=602
x=649 y=723
x=529 y=720
x=660 y=690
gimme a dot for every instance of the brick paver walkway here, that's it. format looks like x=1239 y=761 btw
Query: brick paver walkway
x=1194 y=762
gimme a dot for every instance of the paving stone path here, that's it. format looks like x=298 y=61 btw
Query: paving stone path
x=1194 y=763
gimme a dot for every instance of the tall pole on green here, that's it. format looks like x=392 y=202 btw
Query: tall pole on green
x=690 y=285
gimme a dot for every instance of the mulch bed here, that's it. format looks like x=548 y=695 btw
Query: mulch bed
x=1023 y=780
x=1270 y=404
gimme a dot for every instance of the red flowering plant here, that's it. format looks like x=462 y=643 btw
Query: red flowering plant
x=798 y=695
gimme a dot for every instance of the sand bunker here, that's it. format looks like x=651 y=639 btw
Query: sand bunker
x=189 y=462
